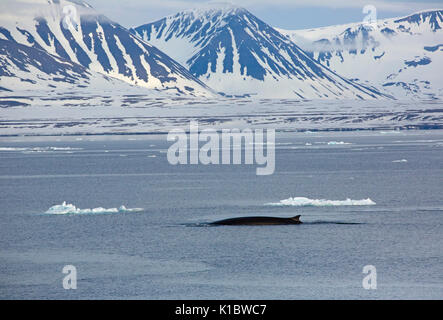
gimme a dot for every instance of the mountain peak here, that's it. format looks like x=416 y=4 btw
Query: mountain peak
x=214 y=8
x=433 y=16
x=235 y=52
x=93 y=41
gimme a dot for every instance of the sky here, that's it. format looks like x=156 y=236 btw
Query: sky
x=286 y=14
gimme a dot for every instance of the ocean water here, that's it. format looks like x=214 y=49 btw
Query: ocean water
x=159 y=246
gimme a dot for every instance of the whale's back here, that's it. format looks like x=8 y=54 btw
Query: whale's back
x=258 y=221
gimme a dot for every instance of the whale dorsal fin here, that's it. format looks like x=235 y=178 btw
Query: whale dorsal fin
x=296 y=218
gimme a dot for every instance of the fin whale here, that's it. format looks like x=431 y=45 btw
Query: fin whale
x=257 y=221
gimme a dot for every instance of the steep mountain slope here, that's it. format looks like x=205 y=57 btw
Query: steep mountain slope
x=27 y=68
x=236 y=53
x=73 y=31
x=403 y=55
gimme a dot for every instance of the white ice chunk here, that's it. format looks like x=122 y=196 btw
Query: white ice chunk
x=67 y=208
x=304 y=202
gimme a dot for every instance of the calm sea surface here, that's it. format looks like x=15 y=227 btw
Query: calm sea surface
x=166 y=251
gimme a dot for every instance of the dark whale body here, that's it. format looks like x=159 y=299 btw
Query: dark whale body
x=258 y=221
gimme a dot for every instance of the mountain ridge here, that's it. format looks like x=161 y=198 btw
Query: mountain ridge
x=400 y=54
x=100 y=45
x=235 y=52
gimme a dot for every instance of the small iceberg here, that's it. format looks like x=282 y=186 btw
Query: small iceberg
x=306 y=202
x=67 y=208
x=400 y=161
x=332 y=143
x=391 y=131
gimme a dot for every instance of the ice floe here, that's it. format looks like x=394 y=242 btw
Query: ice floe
x=67 y=208
x=306 y=202
x=331 y=143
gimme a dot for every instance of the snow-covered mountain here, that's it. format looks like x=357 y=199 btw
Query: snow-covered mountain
x=234 y=52
x=60 y=36
x=404 y=56
x=24 y=68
